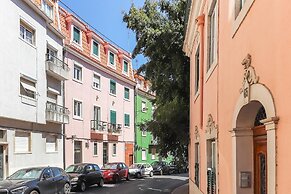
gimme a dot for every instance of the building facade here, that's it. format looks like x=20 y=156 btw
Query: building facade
x=100 y=95
x=32 y=79
x=145 y=144
x=239 y=96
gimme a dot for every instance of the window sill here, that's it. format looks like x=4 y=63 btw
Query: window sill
x=98 y=89
x=125 y=73
x=114 y=95
x=112 y=66
x=28 y=100
x=113 y=155
x=95 y=156
x=211 y=70
x=96 y=57
x=77 y=118
x=19 y=153
x=55 y=152
x=33 y=46
x=127 y=127
x=79 y=46
x=125 y=99
x=78 y=81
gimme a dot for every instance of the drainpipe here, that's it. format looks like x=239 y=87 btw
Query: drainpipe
x=63 y=125
x=200 y=22
x=135 y=128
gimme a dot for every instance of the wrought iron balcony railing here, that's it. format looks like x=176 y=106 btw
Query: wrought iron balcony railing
x=57 y=67
x=57 y=113
x=97 y=125
x=211 y=181
x=197 y=174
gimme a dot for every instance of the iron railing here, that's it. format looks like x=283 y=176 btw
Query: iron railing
x=97 y=125
x=211 y=181
x=58 y=62
x=197 y=174
x=53 y=107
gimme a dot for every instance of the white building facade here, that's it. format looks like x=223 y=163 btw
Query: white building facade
x=32 y=84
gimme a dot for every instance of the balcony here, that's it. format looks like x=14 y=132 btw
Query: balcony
x=102 y=126
x=56 y=113
x=56 y=67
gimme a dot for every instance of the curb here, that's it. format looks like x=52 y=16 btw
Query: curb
x=184 y=189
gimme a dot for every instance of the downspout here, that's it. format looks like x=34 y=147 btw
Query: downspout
x=64 y=126
x=135 y=128
x=200 y=22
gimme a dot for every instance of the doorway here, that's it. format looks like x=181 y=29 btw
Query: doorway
x=77 y=152
x=105 y=153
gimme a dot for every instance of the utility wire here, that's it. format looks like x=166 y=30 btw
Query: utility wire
x=99 y=33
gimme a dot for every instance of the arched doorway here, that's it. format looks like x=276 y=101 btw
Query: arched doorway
x=254 y=143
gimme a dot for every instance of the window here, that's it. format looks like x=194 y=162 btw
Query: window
x=95 y=49
x=22 y=142
x=126 y=93
x=96 y=81
x=76 y=35
x=77 y=108
x=51 y=144
x=113 y=117
x=143 y=106
x=126 y=120
x=212 y=34
x=144 y=133
x=57 y=172
x=125 y=67
x=153 y=153
x=112 y=87
x=95 y=151
x=114 y=149
x=77 y=73
x=26 y=33
x=47 y=8
x=143 y=155
x=197 y=61
x=197 y=157
x=27 y=88
x=111 y=58
x=211 y=166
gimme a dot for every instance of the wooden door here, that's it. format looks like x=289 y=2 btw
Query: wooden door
x=260 y=161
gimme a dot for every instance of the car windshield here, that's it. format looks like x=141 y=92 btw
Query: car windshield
x=32 y=173
x=110 y=166
x=75 y=169
x=155 y=163
x=135 y=166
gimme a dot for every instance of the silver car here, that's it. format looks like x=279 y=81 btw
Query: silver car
x=139 y=170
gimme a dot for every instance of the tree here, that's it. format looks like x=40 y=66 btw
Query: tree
x=159 y=28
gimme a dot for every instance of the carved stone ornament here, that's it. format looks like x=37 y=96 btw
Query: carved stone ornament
x=196 y=133
x=250 y=78
x=211 y=128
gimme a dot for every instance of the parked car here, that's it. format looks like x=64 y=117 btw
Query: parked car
x=114 y=172
x=174 y=167
x=139 y=170
x=44 y=180
x=161 y=167
x=84 y=175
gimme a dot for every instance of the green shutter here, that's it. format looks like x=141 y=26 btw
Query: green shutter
x=126 y=93
x=76 y=35
x=111 y=58
x=125 y=66
x=113 y=117
x=112 y=87
x=95 y=48
x=126 y=119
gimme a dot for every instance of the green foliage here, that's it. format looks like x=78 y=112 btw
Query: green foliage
x=159 y=28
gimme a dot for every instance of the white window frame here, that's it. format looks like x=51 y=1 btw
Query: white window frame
x=95 y=143
x=24 y=35
x=126 y=126
x=28 y=88
x=72 y=36
x=92 y=51
x=93 y=83
x=76 y=116
x=55 y=144
x=143 y=154
x=81 y=74
x=143 y=133
x=143 y=106
x=114 y=149
x=28 y=146
x=44 y=6
x=114 y=64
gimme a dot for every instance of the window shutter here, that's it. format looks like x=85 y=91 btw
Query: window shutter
x=126 y=93
x=125 y=66
x=113 y=117
x=51 y=144
x=112 y=87
x=95 y=48
x=126 y=119
x=22 y=142
x=76 y=35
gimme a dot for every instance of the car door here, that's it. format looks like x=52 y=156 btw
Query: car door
x=58 y=179
x=147 y=169
x=47 y=184
x=124 y=170
x=97 y=174
x=90 y=174
x=143 y=169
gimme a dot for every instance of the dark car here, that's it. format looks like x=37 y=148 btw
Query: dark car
x=174 y=167
x=114 y=172
x=84 y=175
x=161 y=167
x=44 y=180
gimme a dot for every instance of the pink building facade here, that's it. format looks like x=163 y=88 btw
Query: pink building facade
x=239 y=126
x=100 y=96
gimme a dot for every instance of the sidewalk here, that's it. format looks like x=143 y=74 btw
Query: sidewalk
x=184 y=189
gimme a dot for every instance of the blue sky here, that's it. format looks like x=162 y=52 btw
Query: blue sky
x=106 y=17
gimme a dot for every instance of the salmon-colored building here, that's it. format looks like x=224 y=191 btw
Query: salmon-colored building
x=239 y=126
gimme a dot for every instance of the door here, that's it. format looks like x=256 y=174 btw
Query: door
x=77 y=152
x=260 y=166
x=97 y=117
x=47 y=184
x=1 y=162
x=105 y=153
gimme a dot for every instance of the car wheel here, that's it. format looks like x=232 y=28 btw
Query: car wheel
x=151 y=173
x=67 y=188
x=101 y=183
x=138 y=175
x=161 y=172
x=82 y=186
x=34 y=192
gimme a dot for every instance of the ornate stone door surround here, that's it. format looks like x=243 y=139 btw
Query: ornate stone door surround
x=252 y=95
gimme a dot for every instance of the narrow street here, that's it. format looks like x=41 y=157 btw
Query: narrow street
x=156 y=184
